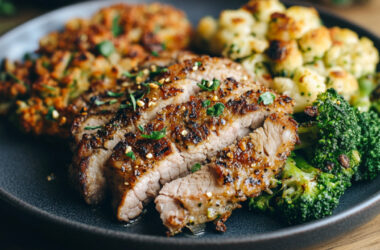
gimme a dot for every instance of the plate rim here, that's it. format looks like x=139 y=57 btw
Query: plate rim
x=370 y=203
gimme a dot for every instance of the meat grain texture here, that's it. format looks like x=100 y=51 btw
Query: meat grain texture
x=175 y=86
x=244 y=169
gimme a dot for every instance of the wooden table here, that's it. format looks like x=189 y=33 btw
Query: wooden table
x=364 y=237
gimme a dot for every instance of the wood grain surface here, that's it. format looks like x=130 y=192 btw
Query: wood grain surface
x=368 y=16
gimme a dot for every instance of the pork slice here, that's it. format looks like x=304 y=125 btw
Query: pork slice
x=241 y=170
x=193 y=134
x=92 y=116
x=176 y=85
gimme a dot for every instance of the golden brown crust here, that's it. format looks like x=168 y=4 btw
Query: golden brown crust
x=70 y=62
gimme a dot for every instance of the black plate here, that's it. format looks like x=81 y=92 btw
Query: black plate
x=26 y=162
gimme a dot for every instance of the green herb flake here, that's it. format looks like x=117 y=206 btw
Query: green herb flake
x=195 y=167
x=117 y=29
x=131 y=155
x=206 y=103
x=124 y=106
x=141 y=128
x=155 y=135
x=133 y=101
x=216 y=110
x=113 y=94
x=106 y=48
x=154 y=53
x=267 y=98
x=49 y=115
x=99 y=102
x=92 y=127
x=198 y=64
x=113 y=101
x=128 y=74
x=48 y=87
x=209 y=86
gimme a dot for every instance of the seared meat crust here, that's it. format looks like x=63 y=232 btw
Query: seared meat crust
x=176 y=85
x=192 y=135
x=88 y=54
x=241 y=170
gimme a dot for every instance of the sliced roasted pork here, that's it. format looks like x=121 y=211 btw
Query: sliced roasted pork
x=242 y=170
x=172 y=86
x=189 y=133
x=100 y=104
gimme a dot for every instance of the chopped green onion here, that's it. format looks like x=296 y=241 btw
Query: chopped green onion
x=155 y=53
x=128 y=74
x=113 y=101
x=106 y=48
x=131 y=155
x=49 y=115
x=206 y=85
x=216 y=110
x=155 y=135
x=99 y=102
x=195 y=167
x=92 y=127
x=267 y=98
x=124 y=106
x=141 y=128
x=206 y=103
x=198 y=64
x=48 y=87
x=113 y=94
x=133 y=101
x=117 y=29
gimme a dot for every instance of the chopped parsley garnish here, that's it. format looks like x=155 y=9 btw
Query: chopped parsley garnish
x=155 y=135
x=198 y=64
x=49 y=115
x=113 y=94
x=124 y=106
x=128 y=74
x=133 y=101
x=113 y=101
x=216 y=110
x=116 y=27
x=92 y=127
x=99 y=102
x=209 y=86
x=195 y=167
x=154 y=53
x=132 y=76
x=106 y=48
x=131 y=155
x=159 y=70
x=206 y=103
x=48 y=87
x=141 y=128
x=267 y=98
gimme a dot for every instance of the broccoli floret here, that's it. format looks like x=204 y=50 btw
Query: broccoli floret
x=369 y=146
x=306 y=193
x=332 y=136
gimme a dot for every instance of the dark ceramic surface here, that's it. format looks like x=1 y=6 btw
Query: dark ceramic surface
x=25 y=163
